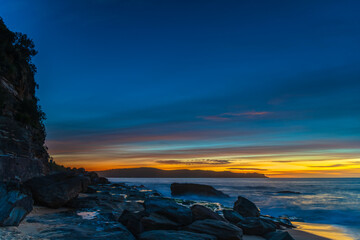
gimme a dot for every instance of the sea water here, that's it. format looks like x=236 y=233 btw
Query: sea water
x=333 y=201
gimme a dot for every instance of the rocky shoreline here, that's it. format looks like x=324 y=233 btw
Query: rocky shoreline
x=82 y=205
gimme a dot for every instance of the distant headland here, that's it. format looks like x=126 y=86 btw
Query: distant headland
x=145 y=172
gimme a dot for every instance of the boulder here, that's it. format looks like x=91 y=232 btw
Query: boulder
x=256 y=226
x=169 y=209
x=200 y=212
x=102 y=180
x=232 y=216
x=222 y=230
x=93 y=177
x=56 y=190
x=15 y=204
x=181 y=189
x=279 y=235
x=158 y=222
x=174 y=235
x=91 y=189
x=132 y=221
x=83 y=202
x=246 y=208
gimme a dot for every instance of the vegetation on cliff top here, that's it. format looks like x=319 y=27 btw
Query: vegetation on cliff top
x=17 y=71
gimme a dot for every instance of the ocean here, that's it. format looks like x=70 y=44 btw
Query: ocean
x=334 y=201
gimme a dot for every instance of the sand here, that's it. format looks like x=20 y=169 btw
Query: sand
x=317 y=231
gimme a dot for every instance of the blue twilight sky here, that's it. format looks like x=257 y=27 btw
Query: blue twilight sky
x=177 y=84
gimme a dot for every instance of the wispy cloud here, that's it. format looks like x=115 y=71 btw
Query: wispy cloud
x=196 y=162
x=235 y=115
x=247 y=169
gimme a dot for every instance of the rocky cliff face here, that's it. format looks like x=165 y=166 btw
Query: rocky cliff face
x=22 y=134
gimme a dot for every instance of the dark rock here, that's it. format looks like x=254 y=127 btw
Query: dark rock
x=256 y=226
x=15 y=204
x=132 y=221
x=68 y=225
x=279 y=235
x=93 y=177
x=288 y=192
x=102 y=180
x=181 y=189
x=169 y=209
x=158 y=222
x=174 y=235
x=83 y=202
x=246 y=208
x=280 y=221
x=232 y=216
x=56 y=190
x=91 y=190
x=119 y=185
x=21 y=157
x=200 y=212
x=222 y=230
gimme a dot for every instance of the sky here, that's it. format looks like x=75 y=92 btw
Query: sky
x=244 y=86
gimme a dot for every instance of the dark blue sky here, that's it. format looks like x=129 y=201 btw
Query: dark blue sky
x=137 y=83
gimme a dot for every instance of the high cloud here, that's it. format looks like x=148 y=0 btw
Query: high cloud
x=195 y=162
x=235 y=115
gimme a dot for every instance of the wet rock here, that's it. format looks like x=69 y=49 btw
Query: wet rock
x=200 y=212
x=246 y=208
x=15 y=204
x=91 y=189
x=102 y=180
x=279 y=221
x=93 y=177
x=174 y=235
x=72 y=225
x=132 y=221
x=232 y=216
x=169 y=209
x=132 y=206
x=220 y=229
x=256 y=226
x=158 y=222
x=279 y=235
x=83 y=202
x=56 y=190
x=181 y=189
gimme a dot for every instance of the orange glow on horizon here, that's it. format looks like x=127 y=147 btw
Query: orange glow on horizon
x=295 y=169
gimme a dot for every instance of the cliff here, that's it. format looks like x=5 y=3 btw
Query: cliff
x=22 y=133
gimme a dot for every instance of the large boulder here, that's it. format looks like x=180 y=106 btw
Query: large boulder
x=174 y=235
x=169 y=209
x=256 y=226
x=182 y=189
x=15 y=204
x=222 y=230
x=279 y=235
x=56 y=190
x=158 y=222
x=232 y=216
x=132 y=221
x=246 y=208
x=93 y=177
x=201 y=212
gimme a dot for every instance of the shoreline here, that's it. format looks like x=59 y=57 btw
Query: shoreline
x=104 y=210
x=322 y=231
x=304 y=231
